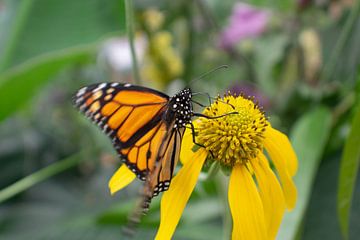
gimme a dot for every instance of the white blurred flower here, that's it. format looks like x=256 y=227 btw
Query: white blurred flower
x=117 y=54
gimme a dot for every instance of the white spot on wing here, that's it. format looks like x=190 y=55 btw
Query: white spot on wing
x=101 y=86
x=79 y=100
x=81 y=91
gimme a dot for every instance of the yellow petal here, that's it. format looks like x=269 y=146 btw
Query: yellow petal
x=186 y=146
x=121 y=179
x=286 y=148
x=174 y=200
x=270 y=193
x=246 y=206
x=279 y=157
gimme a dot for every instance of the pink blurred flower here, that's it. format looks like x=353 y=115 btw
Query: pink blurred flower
x=246 y=21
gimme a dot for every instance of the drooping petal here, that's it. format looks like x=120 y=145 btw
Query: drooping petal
x=286 y=149
x=186 y=146
x=246 y=207
x=122 y=177
x=279 y=158
x=174 y=200
x=270 y=193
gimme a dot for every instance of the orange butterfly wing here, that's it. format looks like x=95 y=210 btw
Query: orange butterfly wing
x=133 y=117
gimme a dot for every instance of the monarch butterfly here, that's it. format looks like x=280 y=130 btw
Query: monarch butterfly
x=146 y=128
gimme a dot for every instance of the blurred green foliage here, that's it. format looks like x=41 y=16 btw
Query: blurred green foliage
x=304 y=68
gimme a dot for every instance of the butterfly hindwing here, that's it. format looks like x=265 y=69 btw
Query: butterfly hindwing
x=143 y=154
x=168 y=158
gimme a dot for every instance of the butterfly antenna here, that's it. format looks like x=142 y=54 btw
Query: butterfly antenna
x=206 y=73
x=210 y=98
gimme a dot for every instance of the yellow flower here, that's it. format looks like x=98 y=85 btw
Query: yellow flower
x=153 y=19
x=258 y=195
x=162 y=64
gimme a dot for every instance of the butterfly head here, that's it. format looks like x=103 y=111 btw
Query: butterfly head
x=181 y=106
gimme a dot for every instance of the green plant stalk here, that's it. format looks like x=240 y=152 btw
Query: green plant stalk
x=131 y=35
x=189 y=54
x=207 y=15
x=27 y=78
x=22 y=14
x=40 y=176
x=222 y=184
x=340 y=44
x=213 y=171
x=342 y=107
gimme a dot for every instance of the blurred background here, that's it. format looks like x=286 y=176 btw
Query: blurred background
x=300 y=59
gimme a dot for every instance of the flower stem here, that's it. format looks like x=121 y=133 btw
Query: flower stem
x=207 y=15
x=340 y=44
x=222 y=183
x=345 y=105
x=129 y=10
x=214 y=169
x=189 y=55
x=14 y=35
x=40 y=176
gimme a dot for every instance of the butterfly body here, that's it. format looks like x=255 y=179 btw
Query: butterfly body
x=146 y=127
x=180 y=109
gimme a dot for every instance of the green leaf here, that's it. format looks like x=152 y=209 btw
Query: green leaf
x=11 y=26
x=41 y=26
x=320 y=220
x=349 y=167
x=44 y=36
x=308 y=136
x=346 y=40
x=19 y=84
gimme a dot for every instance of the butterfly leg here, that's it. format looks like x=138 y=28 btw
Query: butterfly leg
x=200 y=104
x=209 y=117
x=194 y=140
x=211 y=98
x=203 y=93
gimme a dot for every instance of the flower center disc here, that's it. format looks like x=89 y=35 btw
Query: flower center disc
x=238 y=135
